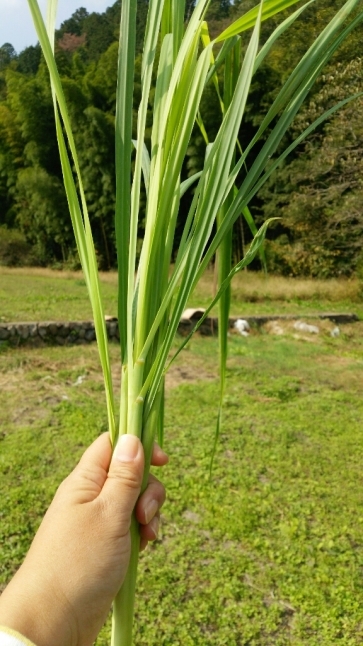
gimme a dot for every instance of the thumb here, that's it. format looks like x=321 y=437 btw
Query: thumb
x=122 y=487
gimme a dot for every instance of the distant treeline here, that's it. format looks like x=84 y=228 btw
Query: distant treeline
x=317 y=193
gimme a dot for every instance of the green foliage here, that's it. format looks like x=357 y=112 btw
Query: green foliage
x=318 y=194
x=42 y=214
x=75 y=24
x=7 y=54
x=29 y=100
x=89 y=59
x=15 y=251
x=28 y=60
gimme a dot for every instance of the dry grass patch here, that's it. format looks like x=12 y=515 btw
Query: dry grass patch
x=254 y=287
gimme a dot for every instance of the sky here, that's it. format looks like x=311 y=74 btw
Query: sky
x=16 y=25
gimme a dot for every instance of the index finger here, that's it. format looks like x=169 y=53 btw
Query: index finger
x=159 y=458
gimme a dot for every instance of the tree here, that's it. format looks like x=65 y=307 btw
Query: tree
x=218 y=9
x=28 y=60
x=30 y=100
x=94 y=132
x=11 y=160
x=71 y=42
x=318 y=194
x=99 y=35
x=7 y=54
x=74 y=24
x=42 y=214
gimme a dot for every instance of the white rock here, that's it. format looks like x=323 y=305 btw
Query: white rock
x=79 y=380
x=242 y=326
x=305 y=327
x=335 y=332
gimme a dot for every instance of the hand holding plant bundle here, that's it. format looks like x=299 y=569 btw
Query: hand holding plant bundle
x=183 y=59
x=63 y=592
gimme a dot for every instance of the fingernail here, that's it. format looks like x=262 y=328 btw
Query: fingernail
x=150 y=510
x=154 y=526
x=127 y=448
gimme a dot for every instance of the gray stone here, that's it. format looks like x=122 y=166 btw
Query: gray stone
x=112 y=329
x=60 y=340
x=43 y=331
x=4 y=333
x=73 y=336
x=23 y=331
x=13 y=331
x=33 y=330
x=63 y=330
x=90 y=335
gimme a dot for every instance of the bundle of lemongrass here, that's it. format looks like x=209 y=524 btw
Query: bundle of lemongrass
x=150 y=307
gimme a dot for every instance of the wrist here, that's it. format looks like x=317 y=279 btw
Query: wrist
x=36 y=614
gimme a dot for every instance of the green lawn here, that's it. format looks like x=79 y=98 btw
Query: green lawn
x=42 y=295
x=267 y=552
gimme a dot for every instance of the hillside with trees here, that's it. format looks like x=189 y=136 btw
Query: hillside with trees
x=316 y=193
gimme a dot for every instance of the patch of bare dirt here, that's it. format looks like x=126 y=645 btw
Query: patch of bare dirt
x=177 y=375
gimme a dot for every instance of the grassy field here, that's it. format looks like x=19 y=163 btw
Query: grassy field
x=267 y=552
x=43 y=295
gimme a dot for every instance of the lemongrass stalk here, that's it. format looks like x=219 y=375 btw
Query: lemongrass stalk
x=123 y=605
x=150 y=306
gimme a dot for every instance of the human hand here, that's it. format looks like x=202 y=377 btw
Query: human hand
x=63 y=591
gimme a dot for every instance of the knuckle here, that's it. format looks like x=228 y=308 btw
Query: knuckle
x=127 y=476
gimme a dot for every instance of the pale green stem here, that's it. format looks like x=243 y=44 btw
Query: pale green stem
x=123 y=605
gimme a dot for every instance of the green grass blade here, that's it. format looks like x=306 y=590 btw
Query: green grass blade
x=79 y=213
x=250 y=255
x=248 y=20
x=184 y=186
x=151 y=39
x=226 y=47
x=145 y=162
x=173 y=23
x=255 y=245
x=224 y=252
x=277 y=33
x=123 y=147
x=252 y=226
x=181 y=125
x=214 y=174
x=206 y=41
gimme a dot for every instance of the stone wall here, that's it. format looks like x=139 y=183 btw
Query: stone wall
x=54 y=333
x=80 y=332
x=77 y=332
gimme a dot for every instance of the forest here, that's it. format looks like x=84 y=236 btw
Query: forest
x=316 y=194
